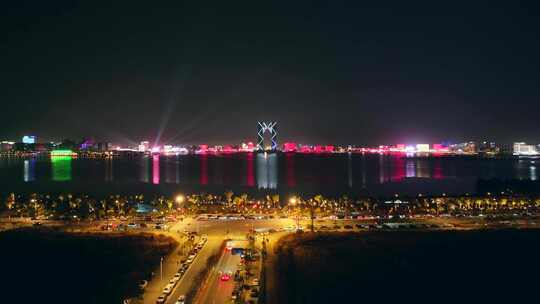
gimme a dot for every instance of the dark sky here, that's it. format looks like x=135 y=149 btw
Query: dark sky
x=327 y=72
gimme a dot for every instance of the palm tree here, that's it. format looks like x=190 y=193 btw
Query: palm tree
x=275 y=200
x=228 y=195
x=10 y=201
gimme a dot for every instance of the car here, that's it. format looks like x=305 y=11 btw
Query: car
x=143 y=284
x=173 y=281
x=132 y=225
x=225 y=276
x=161 y=299
x=189 y=261
x=348 y=227
x=37 y=224
x=168 y=289
x=255 y=282
x=181 y=299
x=177 y=276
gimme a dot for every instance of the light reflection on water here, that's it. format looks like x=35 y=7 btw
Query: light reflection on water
x=61 y=168
x=257 y=171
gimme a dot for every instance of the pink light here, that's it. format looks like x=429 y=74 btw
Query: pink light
x=156 y=149
x=155 y=169
x=440 y=148
x=305 y=149
x=250 y=177
x=289 y=147
x=203 y=149
x=289 y=165
x=204 y=169
x=318 y=149
x=228 y=149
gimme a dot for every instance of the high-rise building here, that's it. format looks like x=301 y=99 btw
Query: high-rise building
x=521 y=148
x=262 y=128
x=29 y=139
x=6 y=146
x=144 y=146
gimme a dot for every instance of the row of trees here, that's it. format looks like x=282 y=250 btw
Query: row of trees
x=84 y=206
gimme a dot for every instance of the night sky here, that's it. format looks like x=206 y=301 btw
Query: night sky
x=327 y=72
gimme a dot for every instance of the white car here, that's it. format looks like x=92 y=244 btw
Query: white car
x=168 y=289
x=177 y=277
x=181 y=300
x=143 y=284
x=160 y=299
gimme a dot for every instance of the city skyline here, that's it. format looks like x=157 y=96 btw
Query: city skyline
x=340 y=74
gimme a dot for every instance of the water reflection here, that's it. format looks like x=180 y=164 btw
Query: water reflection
x=204 y=169
x=155 y=169
x=109 y=170
x=30 y=170
x=267 y=171
x=61 y=168
x=250 y=175
x=172 y=175
x=532 y=173
x=410 y=168
x=289 y=166
x=143 y=170
x=349 y=169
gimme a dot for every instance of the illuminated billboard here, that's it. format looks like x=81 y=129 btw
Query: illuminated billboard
x=56 y=153
x=29 y=139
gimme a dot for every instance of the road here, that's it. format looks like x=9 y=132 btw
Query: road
x=215 y=290
x=217 y=231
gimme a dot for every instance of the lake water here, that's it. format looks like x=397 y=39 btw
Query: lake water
x=356 y=174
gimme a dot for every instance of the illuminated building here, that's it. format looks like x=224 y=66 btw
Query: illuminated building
x=440 y=148
x=144 y=146
x=262 y=128
x=463 y=148
x=6 y=146
x=488 y=147
x=289 y=147
x=521 y=148
x=422 y=148
x=203 y=149
x=57 y=153
x=247 y=147
x=29 y=139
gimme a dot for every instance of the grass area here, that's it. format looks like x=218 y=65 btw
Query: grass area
x=45 y=266
x=438 y=266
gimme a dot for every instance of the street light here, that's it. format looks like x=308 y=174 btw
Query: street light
x=179 y=198
x=161 y=268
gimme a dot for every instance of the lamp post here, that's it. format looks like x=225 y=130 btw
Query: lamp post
x=161 y=268
x=293 y=202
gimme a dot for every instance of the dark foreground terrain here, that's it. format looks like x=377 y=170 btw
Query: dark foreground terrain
x=42 y=266
x=497 y=266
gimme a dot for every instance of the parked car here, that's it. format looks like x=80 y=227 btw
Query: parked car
x=143 y=284
x=181 y=299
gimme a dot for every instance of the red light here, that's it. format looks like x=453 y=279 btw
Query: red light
x=289 y=147
x=225 y=277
